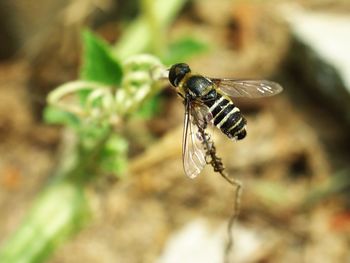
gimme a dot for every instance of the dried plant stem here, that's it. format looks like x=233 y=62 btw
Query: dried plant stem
x=218 y=167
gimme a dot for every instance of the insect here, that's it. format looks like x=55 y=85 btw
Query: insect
x=208 y=101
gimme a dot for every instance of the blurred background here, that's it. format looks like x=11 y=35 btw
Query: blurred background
x=294 y=163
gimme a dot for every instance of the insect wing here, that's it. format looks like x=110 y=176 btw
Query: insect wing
x=193 y=149
x=201 y=115
x=247 y=88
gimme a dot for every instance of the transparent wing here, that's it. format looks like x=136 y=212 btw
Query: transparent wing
x=193 y=148
x=200 y=114
x=247 y=88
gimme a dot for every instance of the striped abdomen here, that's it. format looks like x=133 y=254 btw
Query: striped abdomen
x=227 y=117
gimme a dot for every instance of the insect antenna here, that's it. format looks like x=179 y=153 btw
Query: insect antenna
x=219 y=167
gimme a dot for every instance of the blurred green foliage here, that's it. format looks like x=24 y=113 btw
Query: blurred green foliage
x=54 y=115
x=183 y=49
x=114 y=86
x=98 y=62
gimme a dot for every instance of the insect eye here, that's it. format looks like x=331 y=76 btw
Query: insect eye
x=177 y=72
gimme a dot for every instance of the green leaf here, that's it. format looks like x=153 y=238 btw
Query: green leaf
x=55 y=115
x=98 y=63
x=114 y=156
x=183 y=49
x=90 y=134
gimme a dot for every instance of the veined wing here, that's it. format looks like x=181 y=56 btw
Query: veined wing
x=247 y=88
x=193 y=149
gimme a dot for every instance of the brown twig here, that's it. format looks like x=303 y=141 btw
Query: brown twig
x=218 y=167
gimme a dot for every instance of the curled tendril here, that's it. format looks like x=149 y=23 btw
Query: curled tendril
x=141 y=79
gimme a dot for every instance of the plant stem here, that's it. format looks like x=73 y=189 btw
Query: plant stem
x=155 y=29
x=59 y=211
x=56 y=214
x=138 y=36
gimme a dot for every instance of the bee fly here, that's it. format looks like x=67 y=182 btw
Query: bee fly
x=207 y=100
